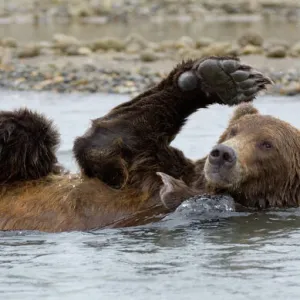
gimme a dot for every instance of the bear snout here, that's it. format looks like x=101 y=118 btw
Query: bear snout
x=222 y=155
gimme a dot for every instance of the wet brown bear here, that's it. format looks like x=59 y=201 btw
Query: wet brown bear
x=119 y=155
x=256 y=161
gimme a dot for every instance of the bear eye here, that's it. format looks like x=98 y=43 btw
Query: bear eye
x=266 y=145
x=233 y=132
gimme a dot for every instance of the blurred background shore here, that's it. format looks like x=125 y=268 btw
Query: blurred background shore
x=125 y=46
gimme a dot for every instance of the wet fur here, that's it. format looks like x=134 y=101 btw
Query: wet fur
x=119 y=157
x=264 y=179
x=28 y=142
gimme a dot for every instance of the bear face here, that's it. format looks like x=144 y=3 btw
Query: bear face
x=257 y=161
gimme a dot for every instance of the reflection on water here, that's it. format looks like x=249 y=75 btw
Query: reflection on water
x=240 y=256
x=224 y=31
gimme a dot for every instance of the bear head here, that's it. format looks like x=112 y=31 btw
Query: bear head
x=256 y=160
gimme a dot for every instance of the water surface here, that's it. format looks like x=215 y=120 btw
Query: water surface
x=252 y=256
x=221 y=31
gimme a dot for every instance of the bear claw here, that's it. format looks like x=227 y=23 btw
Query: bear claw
x=232 y=81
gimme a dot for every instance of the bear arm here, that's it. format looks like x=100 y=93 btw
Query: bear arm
x=163 y=110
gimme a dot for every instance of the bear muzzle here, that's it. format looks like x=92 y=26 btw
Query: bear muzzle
x=222 y=156
x=221 y=167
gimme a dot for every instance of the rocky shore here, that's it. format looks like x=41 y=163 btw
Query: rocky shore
x=104 y=11
x=132 y=64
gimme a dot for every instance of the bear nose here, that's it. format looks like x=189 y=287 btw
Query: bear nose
x=222 y=155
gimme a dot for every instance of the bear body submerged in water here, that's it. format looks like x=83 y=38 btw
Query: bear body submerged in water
x=122 y=153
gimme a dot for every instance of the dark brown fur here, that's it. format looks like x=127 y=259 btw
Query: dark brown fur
x=28 y=142
x=119 y=155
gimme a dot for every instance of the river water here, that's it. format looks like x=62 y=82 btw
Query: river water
x=253 y=256
x=221 y=31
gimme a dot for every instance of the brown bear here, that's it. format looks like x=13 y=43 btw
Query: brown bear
x=256 y=161
x=119 y=155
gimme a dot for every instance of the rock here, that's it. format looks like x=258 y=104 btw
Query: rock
x=9 y=42
x=45 y=44
x=271 y=43
x=251 y=49
x=220 y=48
x=204 y=42
x=42 y=85
x=28 y=51
x=75 y=50
x=153 y=46
x=6 y=56
x=292 y=89
x=230 y=8
x=295 y=50
x=85 y=51
x=185 y=42
x=81 y=9
x=189 y=53
x=71 y=50
x=133 y=48
x=250 y=38
x=136 y=39
x=148 y=55
x=62 y=41
x=167 y=45
x=108 y=43
x=277 y=52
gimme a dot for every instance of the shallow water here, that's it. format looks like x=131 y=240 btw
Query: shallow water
x=238 y=256
x=221 y=31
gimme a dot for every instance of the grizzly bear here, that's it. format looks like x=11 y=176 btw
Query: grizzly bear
x=256 y=161
x=121 y=153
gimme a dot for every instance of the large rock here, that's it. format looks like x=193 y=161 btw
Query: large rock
x=204 y=42
x=62 y=41
x=189 y=53
x=251 y=49
x=9 y=42
x=167 y=45
x=108 y=43
x=6 y=56
x=277 y=52
x=135 y=43
x=28 y=51
x=148 y=55
x=221 y=48
x=250 y=38
x=185 y=42
x=295 y=50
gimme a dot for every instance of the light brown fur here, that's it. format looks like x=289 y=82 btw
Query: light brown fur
x=64 y=203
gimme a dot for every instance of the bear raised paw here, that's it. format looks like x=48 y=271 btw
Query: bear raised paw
x=144 y=127
x=120 y=154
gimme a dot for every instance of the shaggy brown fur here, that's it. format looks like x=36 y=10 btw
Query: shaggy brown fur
x=266 y=172
x=119 y=155
x=28 y=142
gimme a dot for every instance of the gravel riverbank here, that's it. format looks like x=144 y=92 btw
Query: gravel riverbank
x=132 y=64
x=105 y=11
x=101 y=75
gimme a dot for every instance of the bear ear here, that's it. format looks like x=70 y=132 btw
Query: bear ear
x=242 y=110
